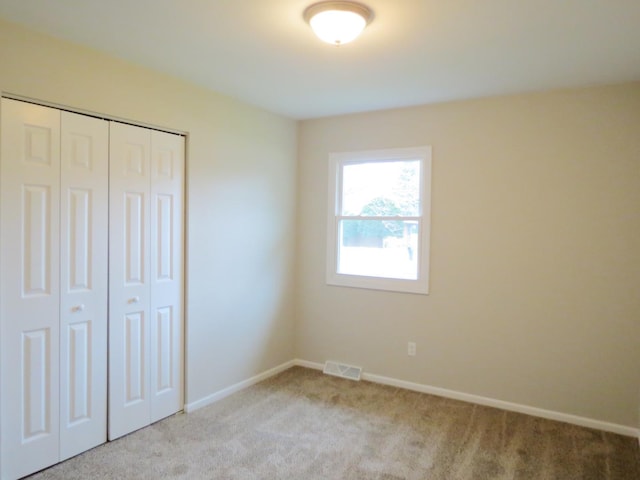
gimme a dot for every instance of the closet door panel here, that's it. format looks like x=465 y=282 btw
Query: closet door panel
x=129 y=279
x=167 y=247
x=84 y=282
x=29 y=282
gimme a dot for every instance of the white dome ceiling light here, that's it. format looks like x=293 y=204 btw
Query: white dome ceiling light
x=338 y=23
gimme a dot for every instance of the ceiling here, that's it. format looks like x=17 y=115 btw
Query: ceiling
x=415 y=51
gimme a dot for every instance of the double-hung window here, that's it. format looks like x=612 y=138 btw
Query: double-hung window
x=379 y=222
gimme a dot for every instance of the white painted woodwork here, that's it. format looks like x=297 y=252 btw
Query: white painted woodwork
x=166 y=348
x=92 y=225
x=129 y=274
x=29 y=282
x=84 y=282
x=146 y=265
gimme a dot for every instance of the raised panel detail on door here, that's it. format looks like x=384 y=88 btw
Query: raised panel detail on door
x=79 y=394
x=30 y=286
x=38 y=144
x=80 y=217
x=129 y=274
x=134 y=371
x=81 y=151
x=134 y=237
x=165 y=161
x=165 y=353
x=167 y=172
x=165 y=225
x=36 y=384
x=36 y=235
x=135 y=154
x=84 y=280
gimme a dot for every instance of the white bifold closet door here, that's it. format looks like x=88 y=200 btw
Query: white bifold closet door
x=145 y=277
x=84 y=282
x=53 y=251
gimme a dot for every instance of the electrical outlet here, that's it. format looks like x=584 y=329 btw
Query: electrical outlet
x=411 y=349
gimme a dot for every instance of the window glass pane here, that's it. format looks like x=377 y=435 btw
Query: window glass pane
x=377 y=248
x=381 y=188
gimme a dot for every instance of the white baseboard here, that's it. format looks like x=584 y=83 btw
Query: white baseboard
x=220 y=394
x=490 y=402
x=417 y=387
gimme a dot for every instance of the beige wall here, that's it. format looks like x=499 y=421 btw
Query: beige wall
x=535 y=258
x=535 y=252
x=241 y=192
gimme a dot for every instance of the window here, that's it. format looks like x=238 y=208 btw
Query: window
x=378 y=222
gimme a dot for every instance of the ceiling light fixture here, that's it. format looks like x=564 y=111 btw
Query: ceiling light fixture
x=338 y=22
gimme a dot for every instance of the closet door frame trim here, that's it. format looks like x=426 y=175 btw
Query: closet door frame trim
x=100 y=115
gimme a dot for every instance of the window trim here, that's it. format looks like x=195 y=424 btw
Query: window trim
x=339 y=159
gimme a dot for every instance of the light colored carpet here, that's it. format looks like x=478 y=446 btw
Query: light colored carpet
x=303 y=425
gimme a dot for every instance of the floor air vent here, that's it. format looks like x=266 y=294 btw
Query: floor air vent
x=342 y=370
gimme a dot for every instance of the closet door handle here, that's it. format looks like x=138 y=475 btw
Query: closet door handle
x=134 y=299
x=78 y=308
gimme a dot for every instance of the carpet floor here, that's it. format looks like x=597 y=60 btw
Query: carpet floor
x=303 y=425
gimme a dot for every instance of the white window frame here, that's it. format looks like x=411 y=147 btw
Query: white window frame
x=336 y=164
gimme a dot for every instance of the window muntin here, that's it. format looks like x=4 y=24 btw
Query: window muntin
x=378 y=226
